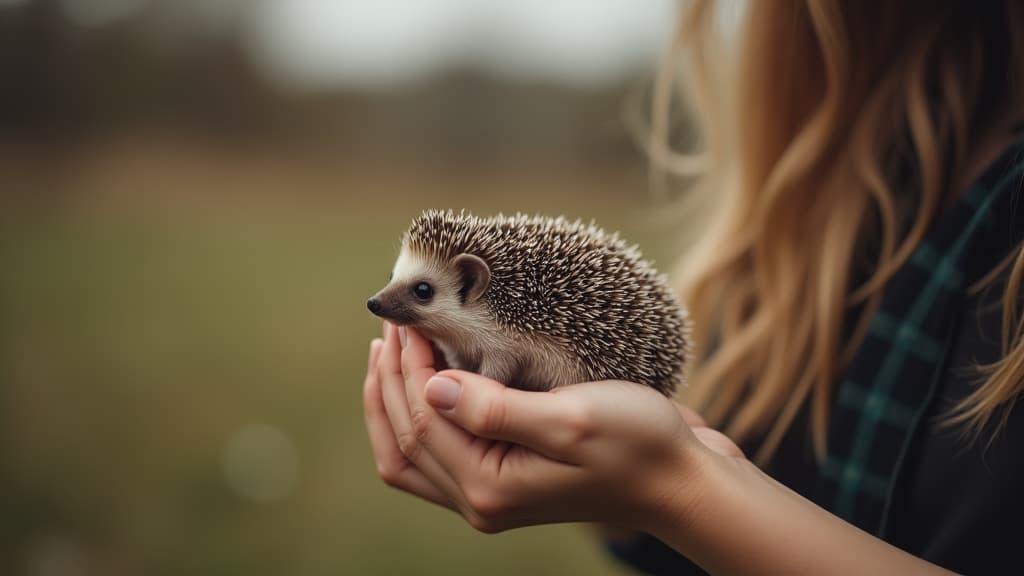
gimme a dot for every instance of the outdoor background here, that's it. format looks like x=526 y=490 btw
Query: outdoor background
x=196 y=199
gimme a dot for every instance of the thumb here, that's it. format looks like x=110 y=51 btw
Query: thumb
x=539 y=420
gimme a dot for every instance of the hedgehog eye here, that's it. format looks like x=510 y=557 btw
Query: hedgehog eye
x=423 y=291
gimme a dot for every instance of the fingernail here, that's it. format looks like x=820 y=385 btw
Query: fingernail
x=442 y=393
x=384 y=332
x=402 y=336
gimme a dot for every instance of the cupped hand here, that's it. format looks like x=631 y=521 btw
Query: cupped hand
x=608 y=451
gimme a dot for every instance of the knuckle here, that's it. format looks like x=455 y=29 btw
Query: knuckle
x=576 y=428
x=486 y=504
x=420 y=419
x=482 y=525
x=490 y=419
x=408 y=445
x=390 y=473
x=579 y=423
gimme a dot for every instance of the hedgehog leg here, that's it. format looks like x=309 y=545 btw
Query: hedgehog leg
x=548 y=364
x=501 y=367
x=534 y=379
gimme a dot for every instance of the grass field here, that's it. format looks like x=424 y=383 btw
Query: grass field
x=182 y=350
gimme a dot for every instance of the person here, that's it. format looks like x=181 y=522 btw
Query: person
x=859 y=339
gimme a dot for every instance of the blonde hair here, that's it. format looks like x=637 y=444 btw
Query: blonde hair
x=804 y=128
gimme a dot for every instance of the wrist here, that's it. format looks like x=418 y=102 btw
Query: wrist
x=729 y=517
x=715 y=520
x=678 y=496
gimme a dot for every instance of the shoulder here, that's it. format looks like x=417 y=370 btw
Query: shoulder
x=958 y=502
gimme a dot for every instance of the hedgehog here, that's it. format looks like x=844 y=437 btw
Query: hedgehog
x=536 y=302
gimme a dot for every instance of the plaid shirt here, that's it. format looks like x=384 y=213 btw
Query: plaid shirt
x=894 y=375
x=884 y=398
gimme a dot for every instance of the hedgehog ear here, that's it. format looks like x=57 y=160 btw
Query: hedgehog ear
x=476 y=276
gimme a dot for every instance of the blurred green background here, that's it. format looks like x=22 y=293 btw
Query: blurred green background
x=197 y=197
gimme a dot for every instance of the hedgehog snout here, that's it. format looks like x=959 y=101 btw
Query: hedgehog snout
x=373 y=305
x=385 y=304
x=380 y=306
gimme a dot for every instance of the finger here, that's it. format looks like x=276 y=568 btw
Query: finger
x=392 y=385
x=417 y=369
x=418 y=366
x=690 y=416
x=396 y=406
x=456 y=450
x=551 y=424
x=392 y=466
x=496 y=474
x=371 y=364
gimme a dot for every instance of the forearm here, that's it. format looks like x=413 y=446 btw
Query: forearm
x=734 y=519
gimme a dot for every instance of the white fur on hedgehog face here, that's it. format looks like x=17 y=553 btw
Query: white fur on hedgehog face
x=410 y=266
x=461 y=327
x=444 y=312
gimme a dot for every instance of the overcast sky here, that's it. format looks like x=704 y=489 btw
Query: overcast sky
x=334 y=43
x=385 y=41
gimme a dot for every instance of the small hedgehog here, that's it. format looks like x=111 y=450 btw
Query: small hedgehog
x=535 y=302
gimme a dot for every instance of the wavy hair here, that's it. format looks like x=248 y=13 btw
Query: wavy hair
x=813 y=119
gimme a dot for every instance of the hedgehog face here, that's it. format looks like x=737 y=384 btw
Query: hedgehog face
x=437 y=296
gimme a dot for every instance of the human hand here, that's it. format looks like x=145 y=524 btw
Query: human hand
x=600 y=451
x=610 y=452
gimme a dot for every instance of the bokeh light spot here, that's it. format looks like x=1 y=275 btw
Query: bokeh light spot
x=261 y=463
x=55 y=555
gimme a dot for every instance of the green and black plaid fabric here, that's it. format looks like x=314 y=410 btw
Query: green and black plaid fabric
x=894 y=374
